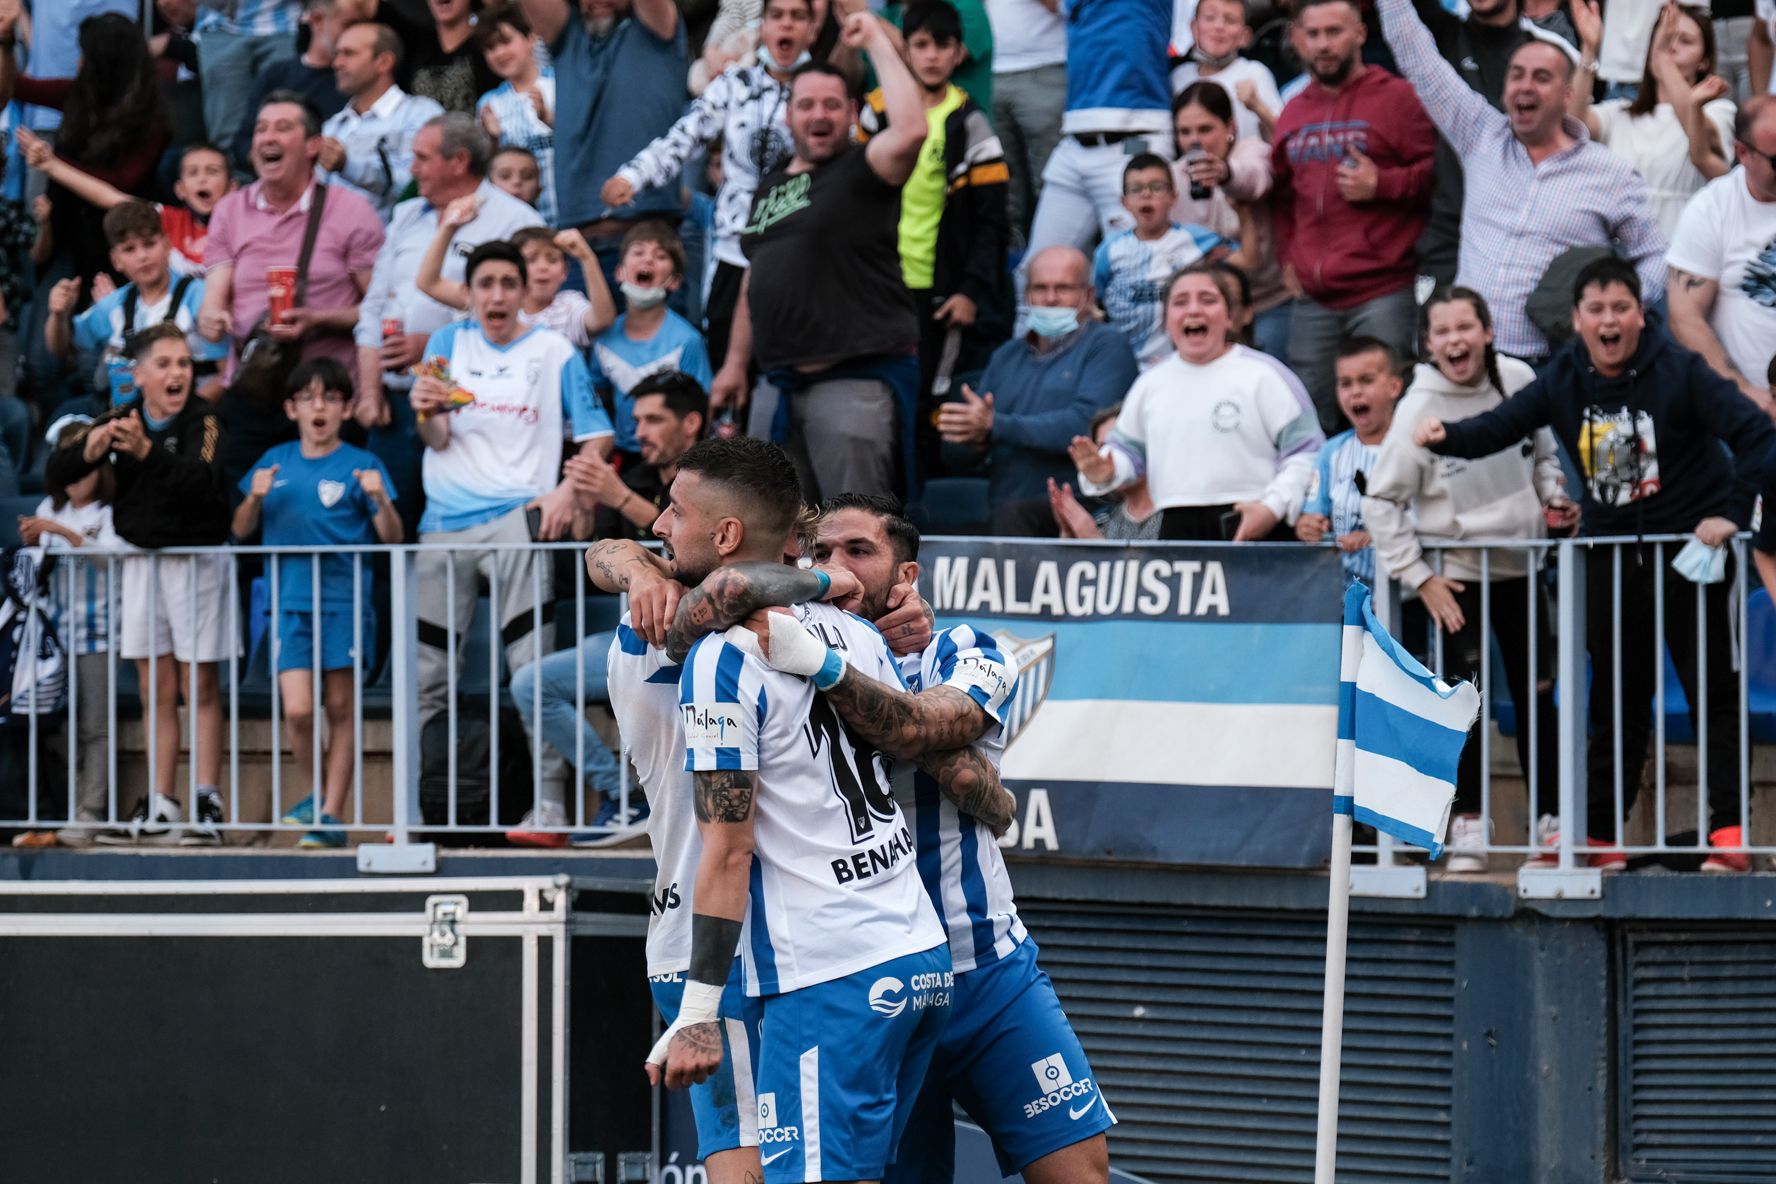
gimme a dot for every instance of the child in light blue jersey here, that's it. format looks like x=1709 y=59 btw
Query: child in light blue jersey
x=1131 y=269
x=319 y=492
x=1369 y=384
x=648 y=337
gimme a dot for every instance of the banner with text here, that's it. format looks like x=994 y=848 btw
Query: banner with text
x=1175 y=703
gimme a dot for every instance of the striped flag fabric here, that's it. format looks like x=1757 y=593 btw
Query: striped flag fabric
x=1400 y=733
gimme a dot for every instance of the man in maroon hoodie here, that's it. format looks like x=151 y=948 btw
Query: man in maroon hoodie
x=1352 y=161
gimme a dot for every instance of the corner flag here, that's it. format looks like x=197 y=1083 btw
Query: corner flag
x=1400 y=733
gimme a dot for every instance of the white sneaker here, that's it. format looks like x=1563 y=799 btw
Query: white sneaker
x=155 y=821
x=1547 y=837
x=1468 y=835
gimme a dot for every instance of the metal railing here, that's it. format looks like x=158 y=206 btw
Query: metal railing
x=1614 y=576
x=400 y=799
x=255 y=785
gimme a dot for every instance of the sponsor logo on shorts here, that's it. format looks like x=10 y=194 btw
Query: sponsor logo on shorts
x=884 y=997
x=769 y=1131
x=924 y=991
x=1058 y=1088
x=676 y=976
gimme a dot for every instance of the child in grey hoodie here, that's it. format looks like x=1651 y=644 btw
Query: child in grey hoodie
x=1413 y=494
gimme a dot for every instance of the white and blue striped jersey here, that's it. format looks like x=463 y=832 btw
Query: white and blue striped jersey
x=1337 y=492
x=834 y=886
x=1131 y=275
x=959 y=860
x=644 y=700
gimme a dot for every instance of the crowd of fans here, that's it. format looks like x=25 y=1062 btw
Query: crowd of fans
x=478 y=273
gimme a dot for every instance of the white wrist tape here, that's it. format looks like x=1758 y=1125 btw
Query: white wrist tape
x=701 y=1004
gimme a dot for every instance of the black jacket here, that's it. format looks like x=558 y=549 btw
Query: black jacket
x=1648 y=441
x=174 y=497
x=973 y=232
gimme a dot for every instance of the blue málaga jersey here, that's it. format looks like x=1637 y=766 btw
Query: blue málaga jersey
x=1337 y=493
x=834 y=886
x=1131 y=274
x=959 y=860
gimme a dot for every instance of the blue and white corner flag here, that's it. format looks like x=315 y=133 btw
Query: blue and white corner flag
x=1400 y=733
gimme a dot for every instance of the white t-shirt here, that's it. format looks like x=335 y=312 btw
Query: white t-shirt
x=1657 y=145
x=1727 y=236
x=1237 y=71
x=566 y=315
x=1026 y=35
x=1230 y=431
x=505 y=447
x=644 y=700
x=835 y=879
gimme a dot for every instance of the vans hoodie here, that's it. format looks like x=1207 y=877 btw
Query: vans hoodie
x=1645 y=440
x=1413 y=494
x=1345 y=254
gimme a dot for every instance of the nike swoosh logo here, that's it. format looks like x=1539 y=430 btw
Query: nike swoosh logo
x=1082 y=1111
x=771 y=1159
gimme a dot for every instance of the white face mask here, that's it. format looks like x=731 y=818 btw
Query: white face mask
x=640 y=297
x=771 y=61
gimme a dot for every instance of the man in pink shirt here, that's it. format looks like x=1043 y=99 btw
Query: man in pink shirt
x=261 y=227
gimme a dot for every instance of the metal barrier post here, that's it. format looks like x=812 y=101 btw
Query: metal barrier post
x=403 y=855
x=1567 y=880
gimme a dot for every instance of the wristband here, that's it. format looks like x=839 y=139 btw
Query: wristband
x=700 y=1004
x=825 y=583
x=831 y=670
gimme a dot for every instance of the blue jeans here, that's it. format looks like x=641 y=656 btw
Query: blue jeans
x=228 y=63
x=562 y=720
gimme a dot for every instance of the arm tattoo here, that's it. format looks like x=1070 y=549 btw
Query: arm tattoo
x=714 y=941
x=1691 y=281
x=731 y=594
x=903 y=724
x=613 y=563
x=699 y=1040
x=724 y=796
x=971 y=783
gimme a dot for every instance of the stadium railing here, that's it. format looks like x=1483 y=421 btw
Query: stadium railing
x=468 y=780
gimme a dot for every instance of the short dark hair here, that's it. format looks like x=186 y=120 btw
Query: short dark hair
x=196 y=146
x=1355 y=6
x=903 y=536
x=939 y=18
x=497 y=251
x=511 y=150
x=817 y=66
x=683 y=394
x=74 y=436
x=654 y=231
x=1141 y=162
x=487 y=24
x=331 y=371
x=311 y=115
x=132 y=219
x=140 y=342
x=1611 y=269
x=1362 y=343
x=386 y=40
x=757 y=468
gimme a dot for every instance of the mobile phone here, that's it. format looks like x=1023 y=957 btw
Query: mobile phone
x=533 y=521
x=1230 y=524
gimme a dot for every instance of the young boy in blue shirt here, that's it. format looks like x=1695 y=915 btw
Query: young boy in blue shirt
x=649 y=337
x=141 y=251
x=1369 y=384
x=318 y=491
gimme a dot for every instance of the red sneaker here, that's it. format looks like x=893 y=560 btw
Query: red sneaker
x=1726 y=862
x=1604 y=857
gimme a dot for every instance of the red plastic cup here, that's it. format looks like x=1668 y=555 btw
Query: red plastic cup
x=392 y=327
x=280 y=292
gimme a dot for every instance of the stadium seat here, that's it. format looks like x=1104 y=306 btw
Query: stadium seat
x=955 y=505
x=11 y=510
